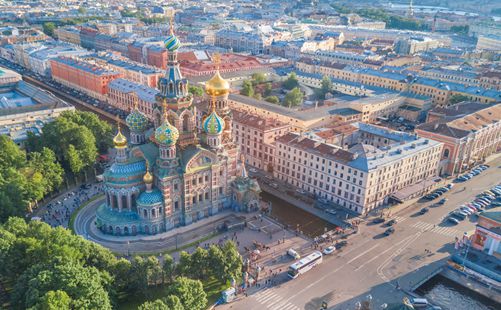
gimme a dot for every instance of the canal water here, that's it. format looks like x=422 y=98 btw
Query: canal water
x=292 y=216
x=450 y=295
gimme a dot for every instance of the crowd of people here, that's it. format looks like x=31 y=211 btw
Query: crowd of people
x=58 y=211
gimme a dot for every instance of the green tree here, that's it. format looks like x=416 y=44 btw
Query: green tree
x=173 y=302
x=154 y=305
x=82 y=10
x=293 y=98
x=457 y=98
x=196 y=90
x=168 y=268
x=11 y=156
x=101 y=130
x=199 y=263
x=54 y=300
x=190 y=293
x=48 y=28
x=46 y=164
x=233 y=261
x=272 y=99
x=247 y=89
x=268 y=88
x=13 y=194
x=258 y=78
x=217 y=262
x=291 y=82
x=257 y=96
x=326 y=86
x=184 y=266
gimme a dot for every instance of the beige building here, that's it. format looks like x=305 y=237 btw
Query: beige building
x=256 y=137
x=381 y=165
x=489 y=42
x=9 y=76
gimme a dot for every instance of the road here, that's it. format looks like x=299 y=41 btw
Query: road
x=373 y=264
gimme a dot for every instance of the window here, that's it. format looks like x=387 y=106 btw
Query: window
x=446 y=153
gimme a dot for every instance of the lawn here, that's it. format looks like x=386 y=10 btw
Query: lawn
x=212 y=288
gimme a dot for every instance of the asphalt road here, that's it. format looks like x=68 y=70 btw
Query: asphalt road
x=373 y=264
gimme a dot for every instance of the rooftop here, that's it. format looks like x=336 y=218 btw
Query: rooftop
x=85 y=66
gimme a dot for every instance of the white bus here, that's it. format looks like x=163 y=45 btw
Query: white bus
x=304 y=264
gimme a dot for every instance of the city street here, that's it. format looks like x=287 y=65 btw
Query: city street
x=373 y=264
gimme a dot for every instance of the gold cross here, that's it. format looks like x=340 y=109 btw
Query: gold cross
x=136 y=101
x=216 y=59
x=118 y=122
x=171 y=22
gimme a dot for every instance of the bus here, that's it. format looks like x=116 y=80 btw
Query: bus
x=304 y=264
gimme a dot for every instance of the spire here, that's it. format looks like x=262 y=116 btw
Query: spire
x=171 y=23
x=120 y=141
x=148 y=177
x=244 y=171
x=410 y=10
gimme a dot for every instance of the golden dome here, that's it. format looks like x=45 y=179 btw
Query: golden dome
x=148 y=178
x=120 y=141
x=217 y=86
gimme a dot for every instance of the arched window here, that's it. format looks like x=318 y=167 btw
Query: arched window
x=171 y=88
x=153 y=213
x=186 y=122
x=446 y=153
x=145 y=213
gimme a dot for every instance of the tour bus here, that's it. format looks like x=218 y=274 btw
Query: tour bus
x=304 y=264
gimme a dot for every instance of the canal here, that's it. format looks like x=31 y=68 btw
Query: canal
x=450 y=295
x=292 y=216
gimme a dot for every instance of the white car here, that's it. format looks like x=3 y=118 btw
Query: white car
x=253 y=170
x=329 y=250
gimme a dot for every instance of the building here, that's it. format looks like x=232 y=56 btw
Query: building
x=132 y=71
x=414 y=45
x=172 y=177
x=489 y=42
x=68 y=34
x=372 y=167
x=86 y=77
x=239 y=41
x=469 y=131
x=25 y=108
x=256 y=137
x=124 y=94
x=8 y=76
x=487 y=237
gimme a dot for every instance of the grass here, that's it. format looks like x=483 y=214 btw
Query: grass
x=212 y=288
x=74 y=214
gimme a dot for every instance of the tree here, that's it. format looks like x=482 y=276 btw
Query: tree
x=268 y=88
x=196 y=90
x=291 y=81
x=257 y=96
x=154 y=305
x=217 y=262
x=247 y=89
x=144 y=272
x=293 y=98
x=54 y=300
x=82 y=10
x=326 y=86
x=190 y=293
x=272 y=99
x=173 y=302
x=168 y=268
x=101 y=130
x=233 y=261
x=46 y=164
x=457 y=98
x=11 y=156
x=184 y=266
x=258 y=78
x=199 y=260
x=48 y=28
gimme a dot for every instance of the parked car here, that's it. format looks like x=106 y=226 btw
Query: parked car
x=424 y=210
x=442 y=201
x=293 y=253
x=378 y=220
x=459 y=215
x=452 y=220
x=391 y=222
x=329 y=250
x=389 y=231
x=330 y=211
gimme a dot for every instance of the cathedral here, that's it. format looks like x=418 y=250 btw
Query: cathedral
x=175 y=171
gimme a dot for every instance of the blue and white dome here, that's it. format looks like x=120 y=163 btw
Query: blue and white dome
x=166 y=134
x=137 y=121
x=150 y=198
x=172 y=43
x=213 y=124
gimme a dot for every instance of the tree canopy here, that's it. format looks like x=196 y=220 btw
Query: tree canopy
x=48 y=28
x=196 y=90
x=247 y=89
x=272 y=99
x=294 y=98
x=291 y=82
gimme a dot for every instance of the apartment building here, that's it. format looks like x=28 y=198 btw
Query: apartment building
x=381 y=166
x=86 y=77
x=469 y=131
x=256 y=137
x=123 y=94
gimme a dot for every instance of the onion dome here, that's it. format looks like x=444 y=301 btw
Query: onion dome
x=150 y=198
x=120 y=141
x=136 y=121
x=148 y=178
x=213 y=124
x=217 y=86
x=166 y=134
x=172 y=43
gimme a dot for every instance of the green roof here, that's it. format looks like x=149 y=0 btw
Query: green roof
x=493 y=214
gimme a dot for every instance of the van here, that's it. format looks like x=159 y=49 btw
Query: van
x=293 y=253
x=419 y=302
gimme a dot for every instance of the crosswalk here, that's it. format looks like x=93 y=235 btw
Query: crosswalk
x=446 y=231
x=399 y=219
x=272 y=301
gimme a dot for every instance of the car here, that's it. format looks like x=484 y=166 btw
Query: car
x=424 y=210
x=329 y=250
x=453 y=220
x=465 y=210
x=419 y=302
x=450 y=185
x=391 y=222
x=330 y=211
x=253 y=170
x=442 y=201
x=487 y=201
x=496 y=203
x=274 y=185
x=481 y=202
x=300 y=191
x=389 y=231
x=293 y=253
x=378 y=220
x=459 y=215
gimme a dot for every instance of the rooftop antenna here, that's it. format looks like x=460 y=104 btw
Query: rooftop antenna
x=171 y=22
x=410 y=10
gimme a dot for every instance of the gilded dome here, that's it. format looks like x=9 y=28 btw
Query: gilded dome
x=172 y=43
x=166 y=134
x=137 y=121
x=120 y=141
x=213 y=124
x=217 y=86
x=148 y=177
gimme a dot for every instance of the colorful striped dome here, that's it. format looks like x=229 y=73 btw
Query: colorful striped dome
x=172 y=43
x=166 y=134
x=137 y=121
x=213 y=124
